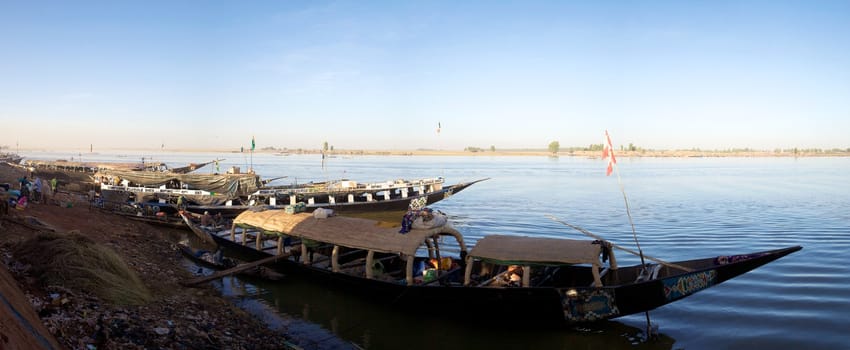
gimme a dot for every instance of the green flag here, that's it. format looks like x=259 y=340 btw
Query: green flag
x=253 y=145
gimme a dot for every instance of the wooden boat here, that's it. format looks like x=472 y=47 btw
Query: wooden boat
x=12 y=158
x=209 y=260
x=514 y=277
x=205 y=258
x=365 y=199
x=92 y=167
x=163 y=220
x=347 y=197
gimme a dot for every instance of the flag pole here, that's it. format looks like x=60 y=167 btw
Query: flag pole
x=613 y=163
x=629 y=214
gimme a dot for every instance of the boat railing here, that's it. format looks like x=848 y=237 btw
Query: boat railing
x=330 y=188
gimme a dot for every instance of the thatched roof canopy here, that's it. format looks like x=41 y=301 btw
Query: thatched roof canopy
x=523 y=250
x=343 y=231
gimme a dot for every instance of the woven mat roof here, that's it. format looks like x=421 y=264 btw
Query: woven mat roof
x=536 y=250
x=344 y=231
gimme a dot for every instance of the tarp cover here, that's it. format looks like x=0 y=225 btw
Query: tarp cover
x=230 y=184
x=531 y=250
x=188 y=198
x=90 y=165
x=344 y=231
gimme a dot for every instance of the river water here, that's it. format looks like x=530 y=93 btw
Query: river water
x=682 y=208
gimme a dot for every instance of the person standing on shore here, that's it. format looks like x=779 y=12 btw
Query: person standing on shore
x=25 y=186
x=24 y=182
x=36 y=197
x=54 y=186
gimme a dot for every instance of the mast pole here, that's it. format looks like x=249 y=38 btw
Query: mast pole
x=631 y=222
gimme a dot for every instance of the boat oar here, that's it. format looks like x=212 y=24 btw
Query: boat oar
x=588 y=233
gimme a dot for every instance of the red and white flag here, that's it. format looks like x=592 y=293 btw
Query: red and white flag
x=608 y=153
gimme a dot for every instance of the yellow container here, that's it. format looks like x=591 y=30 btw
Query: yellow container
x=446 y=263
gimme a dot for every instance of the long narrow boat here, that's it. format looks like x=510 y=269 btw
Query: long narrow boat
x=373 y=197
x=209 y=260
x=364 y=199
x=359 y=198
x=12 y=158
x=500 y=277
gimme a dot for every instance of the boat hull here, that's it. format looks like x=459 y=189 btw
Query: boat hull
x=377 y=205
x=533 y=304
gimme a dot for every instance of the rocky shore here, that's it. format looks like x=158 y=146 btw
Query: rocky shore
x=175 y=317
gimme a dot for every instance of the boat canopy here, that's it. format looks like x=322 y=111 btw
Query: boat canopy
x=521 y=250
x=530 y=251
x=344 y=231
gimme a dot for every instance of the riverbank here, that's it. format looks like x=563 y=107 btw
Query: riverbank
x=174 y=317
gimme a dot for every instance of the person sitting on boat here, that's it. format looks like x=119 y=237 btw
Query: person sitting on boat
x=513 y=277
x=207 y=219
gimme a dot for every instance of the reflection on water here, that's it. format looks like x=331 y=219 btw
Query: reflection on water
x=331 y=319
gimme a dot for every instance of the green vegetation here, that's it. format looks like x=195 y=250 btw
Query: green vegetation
x=595 y=147
x=554 y=146
x=78 y=263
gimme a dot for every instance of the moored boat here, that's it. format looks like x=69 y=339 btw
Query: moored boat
x=501 y=276
x=216 y=261
x=343 y=196
x=11 y=158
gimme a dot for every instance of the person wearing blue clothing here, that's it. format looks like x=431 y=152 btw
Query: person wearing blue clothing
x=25 y=186
x=37 y=190
x=24 y=182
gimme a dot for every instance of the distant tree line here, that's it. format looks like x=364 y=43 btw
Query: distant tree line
x=555 y=147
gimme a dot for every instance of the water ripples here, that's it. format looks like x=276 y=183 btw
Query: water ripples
x=682 y=209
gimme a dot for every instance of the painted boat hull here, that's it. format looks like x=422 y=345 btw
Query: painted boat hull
x=377 y=205
x=533 y=304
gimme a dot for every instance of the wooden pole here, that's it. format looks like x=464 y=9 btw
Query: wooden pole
x=588 y=233
x=237 y=269
x=629 y=213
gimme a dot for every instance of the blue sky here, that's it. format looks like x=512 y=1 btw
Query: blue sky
x=381 y=75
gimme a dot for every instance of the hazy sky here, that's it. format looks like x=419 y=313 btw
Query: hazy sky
x=379 y=75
